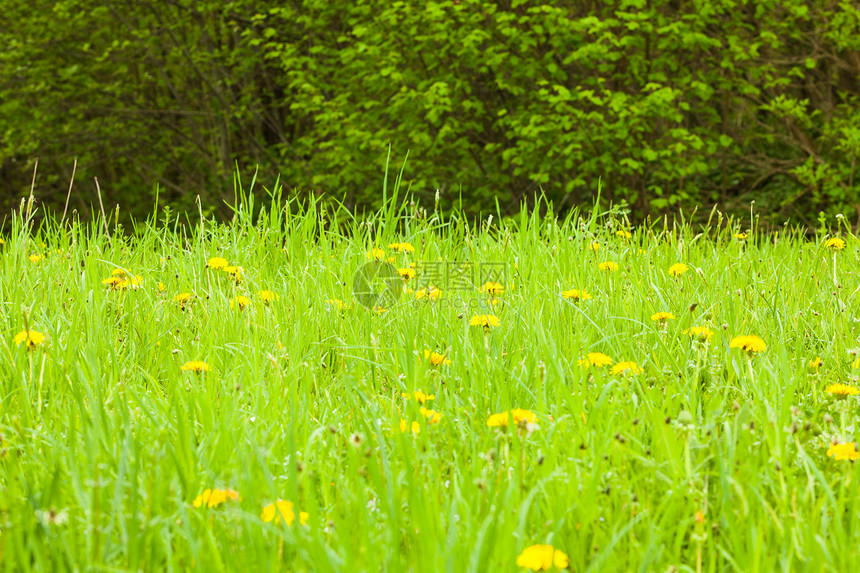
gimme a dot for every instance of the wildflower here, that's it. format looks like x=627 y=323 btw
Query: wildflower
x=197 y=366
x=375 y=254
x=161 y=286
x=112 y=282
x=700 y=333
x=406 y=274
x=843 y=451
x=267 y=296
x=430 y=293
x=282 y=510
x=32 y=337
x=435 y=358
x=492 y=288
x=217 y=263
x=542 y=558
x=379 y=309
x=608 y=266
x=240 y=301
x=623 y=234
x=835 y=244
x=117 y=273
x=336 y=303
x=35 y=258
x=420 y=396
x=520 y=416
x=486 y=320
x=842 y=391
x=594 y=246
x=183 y=298
x=234 y=272
x=402 y=247
x=415 y=426
x=749 y=343
x=215 y=497
x=125 y=283
x=815 y=364
x=626 y=368
x=596 y=359
x=575 y=294
x=662 y=317
x=432 y=416
x=740 y=236
x=678 y=269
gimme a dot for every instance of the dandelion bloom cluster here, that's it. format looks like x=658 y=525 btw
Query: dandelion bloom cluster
x=32 y=337
x=842 y=390
x=283 y=510
x=843 y=452
x=435 y=358
x=215 y=497
x=235 y=273
x=608 y=266
x=196 y=366
x=485 y=320
x=430 y=293
x=415 y=427
x=623 y=234
x=402 y=247
x=492 y=288
x=835 y=244
x=502 y=419
x=375 y=254
x=596 y=359
x=626 y=368
x=542 y=558
x=266 y=296
x=420 y=396
x=678 y=269
x=662 y=316
x=575 y=294
x=432 y=416
x=700 y=333
x=749 y=343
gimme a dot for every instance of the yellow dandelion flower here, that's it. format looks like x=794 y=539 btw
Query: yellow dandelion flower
x=112 y=282
x=626 y=368
x=842 y=390
x=432 y=416
x=183 y=298
x=740 y=236
x=497 y=420
x=751 y=344
x=662 y=317
x=815 y=364
x=235 y=273
x=596 y=359
x=35 y=258
x=576 y=294
x=240 y=301
x=283 y=510
x=542 y=558
x=700 y=333
x=215 y=497
x=402 y=247
x=197 y=366
x=608 y=266
x=595 y=246
x=217 y=263
x=678 y=269
x=117 y=273
x=520 y=416
x=835 y=244
x=420 y=396
x=430 y=294
x=623 y=234
x=486 y=320
x=406 y=274
x=843 y=452
x=267 y=296
x=492 y=288
x=435 y=358
x=161 y=286
x=32 y=338
x=415 y=427
x=375 y=254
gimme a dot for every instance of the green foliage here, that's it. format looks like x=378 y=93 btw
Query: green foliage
x=671 y=104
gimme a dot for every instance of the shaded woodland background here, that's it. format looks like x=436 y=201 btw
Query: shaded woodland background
x=672 y=103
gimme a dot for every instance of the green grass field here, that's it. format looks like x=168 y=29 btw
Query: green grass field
x=698 y=457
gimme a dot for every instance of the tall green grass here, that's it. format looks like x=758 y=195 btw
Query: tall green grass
x=106 y=441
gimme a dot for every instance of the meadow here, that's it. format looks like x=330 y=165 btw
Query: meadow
x=526 y=393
